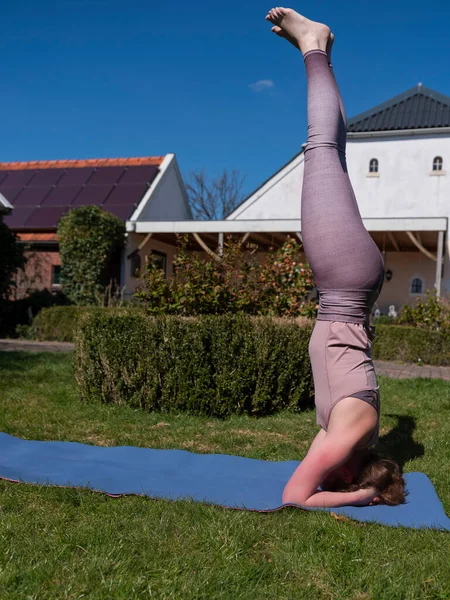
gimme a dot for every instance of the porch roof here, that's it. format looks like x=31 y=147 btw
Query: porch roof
x=281 y=225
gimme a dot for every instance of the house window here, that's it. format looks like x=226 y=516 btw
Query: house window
x=417 y=286
x=135 y=264
x=438 y=163
x=160 y=260
x=373 y=166
x=56 y=275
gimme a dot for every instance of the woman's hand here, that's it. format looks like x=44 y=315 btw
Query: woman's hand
x=368 y=497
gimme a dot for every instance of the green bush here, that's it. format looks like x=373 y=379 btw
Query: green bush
x=411 y=344
x=210 y=365
x=59 y=323
x=429 y=312
x=16 y=316
x=89 y=239
x=234 y=282
x=385 y=320
x=12 y=258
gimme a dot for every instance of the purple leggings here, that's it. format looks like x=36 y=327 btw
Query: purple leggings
x=347 y=265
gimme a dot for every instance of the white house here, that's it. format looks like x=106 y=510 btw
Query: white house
x=398 y=155
x=41 y=192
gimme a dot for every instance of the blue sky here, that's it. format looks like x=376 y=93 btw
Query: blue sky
x=97 y=78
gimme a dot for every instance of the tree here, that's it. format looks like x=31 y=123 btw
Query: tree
x=12 y=258
x=88 y=239
x=216 y=199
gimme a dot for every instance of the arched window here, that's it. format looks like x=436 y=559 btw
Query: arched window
x=438 y=163
x=417 y=286
x=373 y=166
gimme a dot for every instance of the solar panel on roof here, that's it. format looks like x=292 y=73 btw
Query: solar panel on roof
x=76 y=176
x=121 y=211
x=16 y=218
x=10 y=193
x=104 y=175
x=142 y=174
x=92 y=195
x=47 y=176
x=19 y=178
x=62 y=195
x=127 y=194
x=46 y=217
x=31 y=196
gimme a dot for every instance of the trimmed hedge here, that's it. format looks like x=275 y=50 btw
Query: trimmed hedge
x=208 y=365
x=59 y=323
x=392 y=342
x=411 y=344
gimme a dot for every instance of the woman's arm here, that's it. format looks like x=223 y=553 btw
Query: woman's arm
x=332 y=452
x=335 y=499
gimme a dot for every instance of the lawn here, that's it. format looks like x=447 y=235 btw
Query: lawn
x=58 y=543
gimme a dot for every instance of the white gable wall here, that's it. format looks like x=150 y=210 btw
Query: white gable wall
x=168 y=200
x=278 y=198
x=404 y=188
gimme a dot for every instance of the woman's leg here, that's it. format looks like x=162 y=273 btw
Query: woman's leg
x=339 y=249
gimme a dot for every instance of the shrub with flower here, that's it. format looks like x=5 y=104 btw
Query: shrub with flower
x=238 y=282
x=430 y=312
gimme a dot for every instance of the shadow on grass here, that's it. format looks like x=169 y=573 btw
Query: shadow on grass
x=399 y=442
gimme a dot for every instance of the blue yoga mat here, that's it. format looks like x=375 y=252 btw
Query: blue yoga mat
x=228 y=481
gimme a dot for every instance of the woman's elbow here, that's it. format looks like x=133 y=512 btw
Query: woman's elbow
x=293 y=496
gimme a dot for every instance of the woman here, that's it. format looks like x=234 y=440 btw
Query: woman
x=339 y=468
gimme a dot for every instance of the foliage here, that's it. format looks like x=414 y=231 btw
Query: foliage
x=59 y=323
x=17 y=315
x=430 y=312
x=285 y=283
x=211 y=365
x=385 y=320
x=89 y=237
x=411 y=344
x=216 y=199
x=235 y=283
x=12 y=258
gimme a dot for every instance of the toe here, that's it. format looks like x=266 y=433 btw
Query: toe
x=278 y=31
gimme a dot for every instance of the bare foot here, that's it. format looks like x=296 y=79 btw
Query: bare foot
x=282 y=33
x=307 y=34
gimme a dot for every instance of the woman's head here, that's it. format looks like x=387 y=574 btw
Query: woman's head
x=368 y=469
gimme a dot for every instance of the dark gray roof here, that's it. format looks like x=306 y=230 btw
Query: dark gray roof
x=417 y=108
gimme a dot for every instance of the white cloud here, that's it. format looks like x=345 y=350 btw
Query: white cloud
x=261 y=85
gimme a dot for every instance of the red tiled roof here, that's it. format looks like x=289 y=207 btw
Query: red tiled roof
x=37 y=237
x=94 y=162
x=41 y=192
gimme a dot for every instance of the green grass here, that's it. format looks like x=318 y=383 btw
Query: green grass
x=62 y=543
